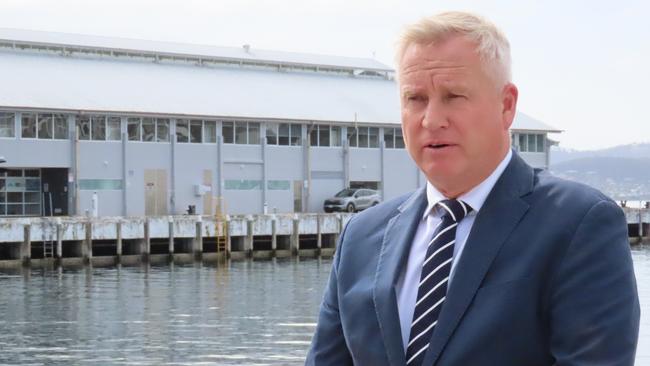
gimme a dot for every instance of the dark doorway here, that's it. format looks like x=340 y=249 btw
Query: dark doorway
x=55 y=191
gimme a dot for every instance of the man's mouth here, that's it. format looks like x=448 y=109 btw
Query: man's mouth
x=438 y=146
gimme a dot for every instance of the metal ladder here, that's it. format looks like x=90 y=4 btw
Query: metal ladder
x=222 y=240
x=49 y=242
x=48 y=249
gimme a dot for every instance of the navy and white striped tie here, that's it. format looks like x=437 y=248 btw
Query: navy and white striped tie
x=432 y=288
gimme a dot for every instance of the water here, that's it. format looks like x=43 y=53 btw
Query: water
x=245 y=313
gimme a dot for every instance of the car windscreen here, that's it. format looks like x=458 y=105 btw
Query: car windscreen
x=345 y=193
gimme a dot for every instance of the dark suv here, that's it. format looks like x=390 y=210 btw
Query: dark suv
x=352 y=200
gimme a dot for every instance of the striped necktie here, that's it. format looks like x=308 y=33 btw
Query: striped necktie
x=432 y=288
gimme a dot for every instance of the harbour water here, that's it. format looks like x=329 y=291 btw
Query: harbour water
x=237 y=312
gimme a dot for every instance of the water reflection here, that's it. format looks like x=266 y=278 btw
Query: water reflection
x=248 y=312
x=242 y=312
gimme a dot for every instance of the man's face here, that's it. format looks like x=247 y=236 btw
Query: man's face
x=454 y=118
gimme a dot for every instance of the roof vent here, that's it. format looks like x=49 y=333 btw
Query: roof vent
x=247 y=48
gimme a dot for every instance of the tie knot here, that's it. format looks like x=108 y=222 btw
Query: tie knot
x=454 y=209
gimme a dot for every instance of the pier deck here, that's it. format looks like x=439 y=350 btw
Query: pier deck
x=69 y=240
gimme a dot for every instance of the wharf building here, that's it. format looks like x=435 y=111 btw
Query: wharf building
x=122 y=127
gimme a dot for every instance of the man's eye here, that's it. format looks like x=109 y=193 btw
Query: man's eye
x=454 y=96
x=415 y=98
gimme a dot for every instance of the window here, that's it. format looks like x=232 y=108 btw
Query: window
x=28 y=125
x=113 y=129
x=272 y=133
x=529 y=142
x=162 y=129
x=389 y=138
x=148 y=129
x=296 y=135
x=540 y=143
x=399 y=140
x=196 y=131
x=98 y=128
x=240 y=133
x=324 y=135
x=253 y=133
x=373 y=137
x=363 y=136
x=210 y=131
x=7 y=125
x=20 y=192
x=285 y=134
x=60 y=127
x=133 y=129
x=352 y=136
x=182 y=130
x=245 y=133
x=523 y=142
x=45 y=126
x=393 y=138
x=335 y=136
x=228 y=132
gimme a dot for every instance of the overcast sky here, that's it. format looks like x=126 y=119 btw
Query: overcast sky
x=581 y=66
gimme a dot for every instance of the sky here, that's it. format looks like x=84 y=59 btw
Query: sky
x=581 y=66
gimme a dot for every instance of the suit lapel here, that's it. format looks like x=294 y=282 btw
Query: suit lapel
x=500 y=214
x=394 y=251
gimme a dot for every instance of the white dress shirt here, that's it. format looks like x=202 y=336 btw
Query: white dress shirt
x=407 y=284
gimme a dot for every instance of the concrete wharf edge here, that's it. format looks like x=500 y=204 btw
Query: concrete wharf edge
x=190 y=232
x=181 y=238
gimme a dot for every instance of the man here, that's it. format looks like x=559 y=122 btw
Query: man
x=493 y=263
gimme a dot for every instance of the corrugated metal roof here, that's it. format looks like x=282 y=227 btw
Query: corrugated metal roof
x=50 y=81
x=525 y=122
x=230 y=53
x=46 y=81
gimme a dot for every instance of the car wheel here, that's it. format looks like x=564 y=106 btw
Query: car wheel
x=375 y=203
x=350 y=207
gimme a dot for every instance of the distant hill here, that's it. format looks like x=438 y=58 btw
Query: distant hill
x=622 y=172
x=640 y=150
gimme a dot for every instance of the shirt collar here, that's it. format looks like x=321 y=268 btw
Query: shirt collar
x=474 y=197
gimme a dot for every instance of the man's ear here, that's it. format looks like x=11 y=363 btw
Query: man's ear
x=509 y=97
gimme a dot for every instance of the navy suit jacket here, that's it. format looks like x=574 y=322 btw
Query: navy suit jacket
x=545 y=278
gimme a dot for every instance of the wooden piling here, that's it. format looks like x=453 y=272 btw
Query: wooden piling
x=26 y=246
x=118 y=236
x=59 y=243
x=87 y=246
x=295 y=238
x=198 y=240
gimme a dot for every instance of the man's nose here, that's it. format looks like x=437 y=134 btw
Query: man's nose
x=435 y=116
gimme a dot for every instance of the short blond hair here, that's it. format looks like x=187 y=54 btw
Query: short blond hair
x=492 y=45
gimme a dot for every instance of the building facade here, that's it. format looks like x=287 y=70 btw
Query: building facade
x=92 y=125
